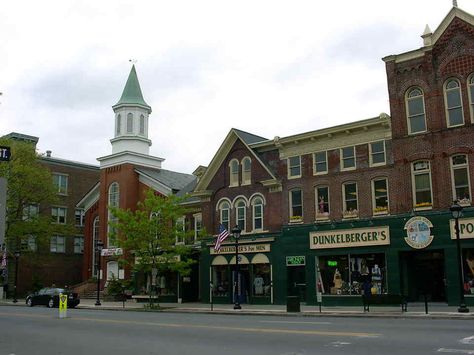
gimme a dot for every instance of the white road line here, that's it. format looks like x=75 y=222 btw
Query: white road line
x=286 y=322
x=467 y=340
x=455 y=351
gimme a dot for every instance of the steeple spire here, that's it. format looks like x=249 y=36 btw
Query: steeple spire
x=132 y=93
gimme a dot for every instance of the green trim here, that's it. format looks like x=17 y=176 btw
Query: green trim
x=132 y=94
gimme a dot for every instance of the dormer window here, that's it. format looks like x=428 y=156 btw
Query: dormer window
x=234 y=172
x=415 y=106
x=246 y=171
x=129 y=123
x=453 y=101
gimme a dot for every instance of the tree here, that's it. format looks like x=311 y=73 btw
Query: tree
x=30 y=194
x=149 y=234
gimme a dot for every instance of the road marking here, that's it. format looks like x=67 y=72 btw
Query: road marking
x=210 y=327
x=455 y=351
x=286 y=322
x=467 y=340
x=338 y=344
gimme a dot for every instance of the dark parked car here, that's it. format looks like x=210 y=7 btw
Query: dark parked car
x=49 y=296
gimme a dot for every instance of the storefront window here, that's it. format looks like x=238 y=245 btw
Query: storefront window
x=468 y=270
x=352 y=274
x=261 y=280
x=220 y=279
x=167 y=283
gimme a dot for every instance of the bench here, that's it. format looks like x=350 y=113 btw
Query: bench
x=385 y=299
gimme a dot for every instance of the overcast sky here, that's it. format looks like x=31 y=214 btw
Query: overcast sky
x=272 y=68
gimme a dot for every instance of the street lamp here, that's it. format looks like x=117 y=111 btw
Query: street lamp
x=456 y=211
x=236 y=232
x=98 y=249
x=17 y=257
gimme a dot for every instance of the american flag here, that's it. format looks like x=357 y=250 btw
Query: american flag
x=223 y=234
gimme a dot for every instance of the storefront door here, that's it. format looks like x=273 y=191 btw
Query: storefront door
x=423 y=274
x=296 y=282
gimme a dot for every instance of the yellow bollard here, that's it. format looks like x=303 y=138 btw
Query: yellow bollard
x=62 y=305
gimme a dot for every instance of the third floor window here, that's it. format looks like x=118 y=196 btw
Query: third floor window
x=453 y=101
x=348 y=160
x=294 y=167
x=60 y=181
x=415 y=105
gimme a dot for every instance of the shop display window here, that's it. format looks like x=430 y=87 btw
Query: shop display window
x=352 y=274
x=261 y=280
x=468 y=270
x=220 y=279
x=167 y=283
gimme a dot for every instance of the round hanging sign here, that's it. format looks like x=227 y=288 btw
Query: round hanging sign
x=418 y=232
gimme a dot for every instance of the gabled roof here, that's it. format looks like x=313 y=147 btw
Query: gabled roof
x=132 y=93
x=234 y=135
x=430 y=39
x=172 y=180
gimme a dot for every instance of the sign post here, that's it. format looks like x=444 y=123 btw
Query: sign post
x=62 y=305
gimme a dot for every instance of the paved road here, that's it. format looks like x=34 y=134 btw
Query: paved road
x=38 y=330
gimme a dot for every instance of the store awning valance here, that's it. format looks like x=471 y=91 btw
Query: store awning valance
x=260 y=259
x=242 y=260
x=219 y=260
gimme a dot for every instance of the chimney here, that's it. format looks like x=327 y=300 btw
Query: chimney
x=48 y=153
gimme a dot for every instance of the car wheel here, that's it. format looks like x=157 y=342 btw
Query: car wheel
x=51 y=303
x=29 y=302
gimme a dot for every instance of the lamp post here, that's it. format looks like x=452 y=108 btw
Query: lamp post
x=17 y=257
x=456 y=211
x=98 y=249
x=236 y=232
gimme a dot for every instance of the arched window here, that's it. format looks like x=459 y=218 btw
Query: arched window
x=224 y=214
x=95 y=238
x=118 y=124
x=453 y=101
x=257 y=212
x=246 y=171
x=240 y=214
x=114 y=195
x=142 y=124
x=471 y=95
x=234 y=172
x=129 y=123
x=415 y=105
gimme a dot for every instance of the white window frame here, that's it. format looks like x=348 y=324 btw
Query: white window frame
x=197 y=225
x=421 y=205
x=238 y=209
x=350 y=213
x=78 y=245
x=56 y=216
x=407 y=99
x=371 y=154
x=320 y=216
x=233 y=173
x=31 y=243
x=30 y=212
x=79 y=212
x=378 y=210
x=446 y=108
x=60 y=177
x=315 y=162
x=246 y=173
x=290 y=176
x=226 y=222
x=57 y=244
x=470 y=91
x=342 y=159
x=254 y=215
x=113 y=200
x=462 y=201
x=180 y=224
x=295 y=218
x=129 y=128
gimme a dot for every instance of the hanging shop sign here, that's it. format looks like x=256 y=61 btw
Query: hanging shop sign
x=347 y=238
x=466 y=228
x=295 y=260
x=244 y=248
x=112 y=252
x=418 y=232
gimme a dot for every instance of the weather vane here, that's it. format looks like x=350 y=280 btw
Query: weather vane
x=133 y=61
x=455 y=3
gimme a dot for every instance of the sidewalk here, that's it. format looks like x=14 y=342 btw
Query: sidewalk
x=415 y=310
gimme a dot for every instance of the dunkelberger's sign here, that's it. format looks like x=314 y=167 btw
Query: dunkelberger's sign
x=347 y=238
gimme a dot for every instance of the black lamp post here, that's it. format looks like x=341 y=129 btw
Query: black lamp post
x=98 y=249
x=236 y=232
x=17 y=257
x=456 y=211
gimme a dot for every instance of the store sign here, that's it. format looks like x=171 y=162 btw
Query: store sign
x=5 y=153
x=295 y=261
x=112 y=252
x=466 y=228
x=418 y=232
x=347 y=238
x=243 y=248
